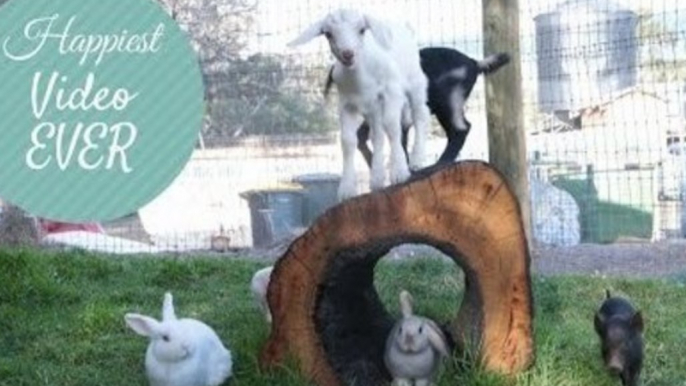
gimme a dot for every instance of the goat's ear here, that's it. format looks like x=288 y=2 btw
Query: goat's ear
x=380 y=31
x=310 y=33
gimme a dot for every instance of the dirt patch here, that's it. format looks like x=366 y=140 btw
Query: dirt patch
x=636 y=260
x=631 y=260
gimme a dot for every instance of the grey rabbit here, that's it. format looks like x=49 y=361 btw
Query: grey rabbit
x=414 y=347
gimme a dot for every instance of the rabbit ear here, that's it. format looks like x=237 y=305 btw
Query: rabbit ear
x=141 y=324
x=406 y=303
x=168 y=307
x=310 y=33
x=437 y=338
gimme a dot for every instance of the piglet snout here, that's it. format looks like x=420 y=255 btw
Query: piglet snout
x=615 y=364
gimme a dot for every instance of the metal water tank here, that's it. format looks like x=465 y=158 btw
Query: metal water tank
x=587 y=50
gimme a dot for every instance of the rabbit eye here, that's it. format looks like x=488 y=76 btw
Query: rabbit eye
x=400 y=330
x=421 y=329
x=328 y=35
x=362 y=31
x=165 y=338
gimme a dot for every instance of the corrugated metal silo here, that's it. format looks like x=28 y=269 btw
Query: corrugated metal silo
x=587 y=50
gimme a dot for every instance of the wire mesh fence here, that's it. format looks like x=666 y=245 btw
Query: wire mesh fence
x=604 y=111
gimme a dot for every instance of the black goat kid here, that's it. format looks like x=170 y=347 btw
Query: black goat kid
x=451 y=76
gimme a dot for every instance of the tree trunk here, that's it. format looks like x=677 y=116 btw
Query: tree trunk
x=327 y=314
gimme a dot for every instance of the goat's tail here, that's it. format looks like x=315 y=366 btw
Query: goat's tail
x=493 y=62
x=329 y=83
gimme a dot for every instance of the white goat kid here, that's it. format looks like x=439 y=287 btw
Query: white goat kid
x=379 y=78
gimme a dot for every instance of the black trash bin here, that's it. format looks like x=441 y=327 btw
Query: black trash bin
x=321 y=193
x=274 y=214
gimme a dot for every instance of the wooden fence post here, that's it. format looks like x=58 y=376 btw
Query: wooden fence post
x=504 y=112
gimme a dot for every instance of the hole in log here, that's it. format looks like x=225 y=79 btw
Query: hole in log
x=351 y=319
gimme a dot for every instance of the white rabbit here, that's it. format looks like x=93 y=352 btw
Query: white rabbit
x=414 y=347
x=258 y=286
x=182 y=352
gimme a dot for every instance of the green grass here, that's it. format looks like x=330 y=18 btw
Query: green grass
x=616 y=221
x=603 y=221
x=61 y=319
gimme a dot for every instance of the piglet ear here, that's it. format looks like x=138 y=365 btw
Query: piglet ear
x=310 y=33
x=382 y=34
x=598 y=322
x=637 y=321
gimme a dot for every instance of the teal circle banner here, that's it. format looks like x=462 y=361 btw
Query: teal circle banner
x=101 y=103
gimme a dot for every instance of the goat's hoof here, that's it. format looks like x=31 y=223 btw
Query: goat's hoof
x=377 y=183
x=400 y=175
x=417 y=162
x=346 y=190
x=342 y=196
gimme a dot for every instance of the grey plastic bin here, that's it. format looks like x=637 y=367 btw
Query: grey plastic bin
x=274 y=214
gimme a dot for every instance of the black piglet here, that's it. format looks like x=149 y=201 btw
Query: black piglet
x=620 y=329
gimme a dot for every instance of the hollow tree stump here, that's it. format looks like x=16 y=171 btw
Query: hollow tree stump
x=327 y=314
